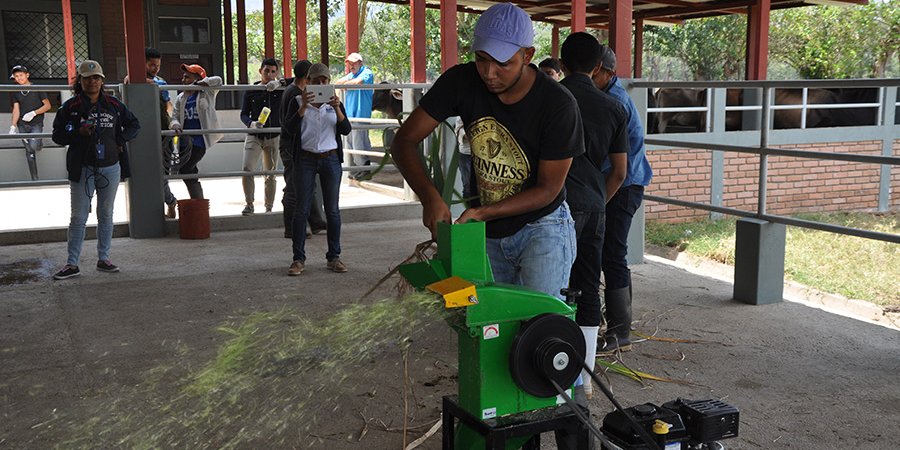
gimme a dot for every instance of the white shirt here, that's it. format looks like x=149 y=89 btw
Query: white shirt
x=318 y=129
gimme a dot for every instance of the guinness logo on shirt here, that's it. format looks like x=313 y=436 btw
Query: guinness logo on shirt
x=501 y=166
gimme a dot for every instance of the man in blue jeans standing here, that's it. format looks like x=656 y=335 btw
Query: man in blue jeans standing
x=28 y=108
x=619 y=211
x=524 y=129
x=359 y=105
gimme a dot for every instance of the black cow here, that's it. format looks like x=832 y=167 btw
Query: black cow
x=388 y=101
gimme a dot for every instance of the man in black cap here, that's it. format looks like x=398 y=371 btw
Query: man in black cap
x=28 y=110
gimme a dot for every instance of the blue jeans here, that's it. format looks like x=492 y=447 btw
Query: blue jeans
x=32 y=146
x=619 y=212
x=105 y=181
x=539 y=256
x=306 y=166
x=586 y=269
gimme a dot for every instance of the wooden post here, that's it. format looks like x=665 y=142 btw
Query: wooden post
x=70 y=39
x=302 y=49
x=242 y=41
x=286 y=37
x=620 y=14
x=417 y=38
x=229 y=43
x=133 y=13
x=269 y=29
x=579 y=15
x=449 y=35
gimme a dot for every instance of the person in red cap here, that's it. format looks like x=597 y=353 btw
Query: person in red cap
x=196 y=110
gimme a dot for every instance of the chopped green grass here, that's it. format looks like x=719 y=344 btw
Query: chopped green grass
x=854 y=267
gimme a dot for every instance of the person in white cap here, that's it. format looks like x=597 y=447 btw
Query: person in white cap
x=28 y=108
x=524 y=130
x=359 y=105
x=95 y=127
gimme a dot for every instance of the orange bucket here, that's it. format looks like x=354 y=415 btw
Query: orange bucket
x=193 y=218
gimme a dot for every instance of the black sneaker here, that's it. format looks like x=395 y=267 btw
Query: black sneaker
x=68 y=271
x=106 y=266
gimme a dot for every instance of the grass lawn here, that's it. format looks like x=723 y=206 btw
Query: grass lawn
x=854 y=267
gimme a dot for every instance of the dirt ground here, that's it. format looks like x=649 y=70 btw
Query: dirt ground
x=146 y=358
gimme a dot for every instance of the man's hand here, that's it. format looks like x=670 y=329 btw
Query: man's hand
x=272 y=85
x=256 y=124
x=28 y=116
x=304 y=99
x=178 y=128
x=469 y=214
x=86 y=129
x=13 y=129
x=434 y=212
x=335 y=102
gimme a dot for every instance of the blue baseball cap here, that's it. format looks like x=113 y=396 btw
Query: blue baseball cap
x=502 y=30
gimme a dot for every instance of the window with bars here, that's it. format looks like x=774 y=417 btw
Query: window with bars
x=36 y=40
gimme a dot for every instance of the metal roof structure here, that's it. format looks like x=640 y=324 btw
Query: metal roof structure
x=658 y=12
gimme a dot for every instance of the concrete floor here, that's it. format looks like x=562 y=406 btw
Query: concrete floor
x=802 y=378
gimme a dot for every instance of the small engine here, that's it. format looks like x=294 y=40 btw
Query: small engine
x=677 y=425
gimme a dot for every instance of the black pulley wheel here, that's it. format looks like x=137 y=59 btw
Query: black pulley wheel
x=548 y=346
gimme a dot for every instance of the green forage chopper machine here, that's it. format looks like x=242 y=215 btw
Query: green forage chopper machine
x=519 y=354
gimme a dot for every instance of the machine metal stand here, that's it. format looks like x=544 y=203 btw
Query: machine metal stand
x=497 y=431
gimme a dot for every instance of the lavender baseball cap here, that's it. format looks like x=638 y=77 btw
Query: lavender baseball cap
x=502 y=30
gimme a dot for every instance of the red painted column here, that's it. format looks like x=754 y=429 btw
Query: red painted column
x=758 y=40
x=417 y=40
x=323 y=31
x=300 y=7
x=70 y=39
x=449 y=36
x=286 y=37
x=242 y=41
x=351 y=8
x=620 y=15
x=269 y=28
x=554 y=42
x=133 y=13
x=638 y=48
x=229 y=43
x=579 y=15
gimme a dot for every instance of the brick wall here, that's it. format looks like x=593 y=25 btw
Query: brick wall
x=795 y=185
x=113 y=38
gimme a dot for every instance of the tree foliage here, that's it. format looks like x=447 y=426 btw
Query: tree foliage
x=712 y=48
x=837 y=41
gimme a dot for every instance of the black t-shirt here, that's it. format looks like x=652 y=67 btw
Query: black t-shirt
x=605 y=132
x=508 y=141
x=29 y=101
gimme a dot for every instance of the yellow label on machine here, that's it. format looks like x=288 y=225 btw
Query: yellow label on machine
x=457 y=292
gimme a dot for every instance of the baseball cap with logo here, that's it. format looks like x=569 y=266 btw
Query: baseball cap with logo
x=354 y=57
x=19 y=68
x=89 y=68
x=502 y=30
x=196 y=69
x=607 y=58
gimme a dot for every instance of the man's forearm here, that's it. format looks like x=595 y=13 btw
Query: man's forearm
x=405 y=155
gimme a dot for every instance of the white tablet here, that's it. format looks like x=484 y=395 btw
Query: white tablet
x=323 y=92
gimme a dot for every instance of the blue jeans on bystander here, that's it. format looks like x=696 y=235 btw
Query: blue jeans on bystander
x=105 y=182
x=306 y=165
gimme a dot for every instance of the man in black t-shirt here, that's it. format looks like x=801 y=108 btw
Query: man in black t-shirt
x=605 y=134
x=524 y=130
x=28 y=108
